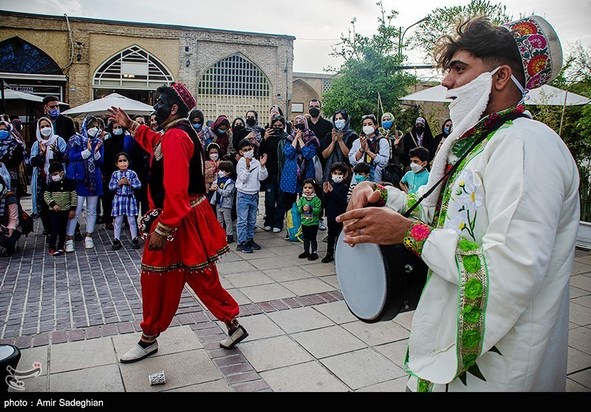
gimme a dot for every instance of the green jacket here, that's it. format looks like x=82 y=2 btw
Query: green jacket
x=310 y=218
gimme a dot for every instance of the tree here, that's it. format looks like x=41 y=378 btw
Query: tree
x=370 y=73
x=443 y=21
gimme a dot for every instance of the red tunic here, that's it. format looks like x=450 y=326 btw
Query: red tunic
x=199 y=240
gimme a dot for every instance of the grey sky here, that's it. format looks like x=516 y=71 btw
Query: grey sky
x=316 y=24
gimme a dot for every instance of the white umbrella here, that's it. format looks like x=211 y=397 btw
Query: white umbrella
x=10 y=94
x=100 y=106
x=543 y=96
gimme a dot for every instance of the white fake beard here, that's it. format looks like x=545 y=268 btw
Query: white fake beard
x=465 y=111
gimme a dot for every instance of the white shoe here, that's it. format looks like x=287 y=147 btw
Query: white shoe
x=321 y=225
x=137 y=353
x=69 y=246
x=276 y=230
x=267 y=228
x=237 y=336
x=88 y=243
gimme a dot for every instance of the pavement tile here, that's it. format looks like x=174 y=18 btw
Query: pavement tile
x=377 y=333
x=328 y=341
x=265 y=293
x=81 y=354
x=304 y=377
x=272 y=353
x=301 y=319
x=105 y=378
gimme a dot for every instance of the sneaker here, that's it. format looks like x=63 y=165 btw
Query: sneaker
x=327 y=259
x=88 y=243
x=303 y=255
x=244 y=247
x=313 y=256
x=276 y=230
x=69 y=246
x=268 y=228
x=137 y=353
x=53 y=252
x=325 y=240
x=116 y=244
x=321 y=225
x=254 y=244
x=61 y=249
x=230 y=239
x=135 y=243
x=237 y=336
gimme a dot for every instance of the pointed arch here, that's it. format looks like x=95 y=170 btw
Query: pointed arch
x=232 y=86
x=132 y=68
x=20 y=56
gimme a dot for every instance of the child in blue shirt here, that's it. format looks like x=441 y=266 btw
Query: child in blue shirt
x=419 y=174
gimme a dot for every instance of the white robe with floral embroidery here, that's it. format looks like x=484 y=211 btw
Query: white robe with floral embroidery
x=517 y=199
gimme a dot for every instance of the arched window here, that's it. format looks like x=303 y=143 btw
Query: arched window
x=232 y=86
x=20 y=56
x=132 y=68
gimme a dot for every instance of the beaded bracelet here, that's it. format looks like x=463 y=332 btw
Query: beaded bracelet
x=133 y=128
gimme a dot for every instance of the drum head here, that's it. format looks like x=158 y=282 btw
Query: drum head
x=362 y=277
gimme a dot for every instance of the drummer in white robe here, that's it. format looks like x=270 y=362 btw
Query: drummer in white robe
x=499 y=234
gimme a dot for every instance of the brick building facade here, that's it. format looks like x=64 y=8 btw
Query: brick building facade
x=81 y=59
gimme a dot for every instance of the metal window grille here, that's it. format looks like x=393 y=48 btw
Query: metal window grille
x=232 y=86
x=132 y=68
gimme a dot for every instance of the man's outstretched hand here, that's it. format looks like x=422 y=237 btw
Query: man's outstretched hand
x=118 y=115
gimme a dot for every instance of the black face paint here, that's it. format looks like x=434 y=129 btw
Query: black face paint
x=163 y=109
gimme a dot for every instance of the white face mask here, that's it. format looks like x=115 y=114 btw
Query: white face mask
x=46 y=131
x=367 y=130
x=415 y=167
x=470 y=101
x=56 y=178
x=337 y=178
x=339 y=124
x=221 y=173
x=117 y=132
x=248 y=155
x=213 y=156
x=93 y=131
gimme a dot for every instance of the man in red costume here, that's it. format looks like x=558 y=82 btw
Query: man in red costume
x=185 y=240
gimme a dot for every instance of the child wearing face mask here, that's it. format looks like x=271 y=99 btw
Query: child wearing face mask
x=250 y=173
x=123 y=182
x=61 y=198
x=223 y=197
x=212 y=162
x=361 y=173
x=419 y=174
x=309 y=205
x=335 y=203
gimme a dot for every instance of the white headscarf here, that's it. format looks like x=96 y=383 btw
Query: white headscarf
x=47 y=142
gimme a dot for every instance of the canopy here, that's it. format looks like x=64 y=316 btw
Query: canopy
x=543 y=96
x=100 y=106
x=10 y=94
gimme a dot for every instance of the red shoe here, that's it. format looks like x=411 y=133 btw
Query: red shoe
x=53 y=252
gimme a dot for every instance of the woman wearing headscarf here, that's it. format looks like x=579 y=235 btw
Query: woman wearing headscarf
x=47 y=147
x=9 y=234
x=335 y=146
x=12 y=152
x=220 y=133
x=419 y=135
x=299 y=150
x=370 y=148
x=85 y=152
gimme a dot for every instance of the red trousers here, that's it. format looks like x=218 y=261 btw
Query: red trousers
x=161 y=294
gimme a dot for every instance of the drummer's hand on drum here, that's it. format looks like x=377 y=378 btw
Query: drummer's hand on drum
x=363 y=194
x=379 y=225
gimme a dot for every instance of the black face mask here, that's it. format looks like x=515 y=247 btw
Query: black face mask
x=251 y=121
x=162 y=109
x=420 y=129
x=314 y=111
x=238 y=127
x=277 y=131
x=300 y=127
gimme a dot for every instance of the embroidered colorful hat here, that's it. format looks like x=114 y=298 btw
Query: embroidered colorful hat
x=184 y=94
x=540 y=50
